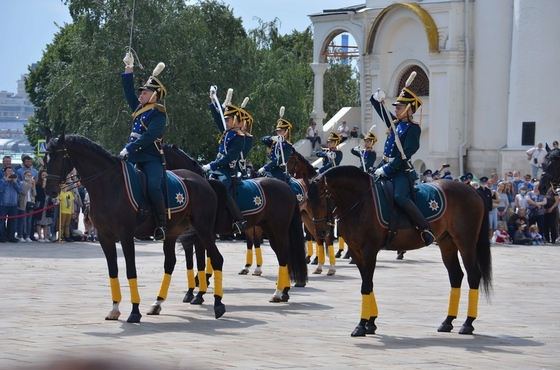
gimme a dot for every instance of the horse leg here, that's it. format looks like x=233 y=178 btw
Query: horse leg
x=257 y=237
x=189 y=251
x=110 y=251
x=249 y=235
x=200 y=251
x=340 y=247
x=127 y=244
x=332 y=257
x=451 y=261
x=369 y=310
x=320 y=256
x=217 y=261
x=309 y=239
x=473 y=278
x=168 y=267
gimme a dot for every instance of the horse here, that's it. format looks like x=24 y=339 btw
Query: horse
x=115 y=216
x=300 y=168
x=550 y=177
x=347 y=194
x=279 y=218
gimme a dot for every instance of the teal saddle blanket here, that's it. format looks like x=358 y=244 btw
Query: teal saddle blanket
x=430 y=200
x=250 y=197
x=298 y=190
x=176 y=192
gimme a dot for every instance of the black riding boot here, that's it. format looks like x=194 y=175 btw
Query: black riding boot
x=235 y=213
x=419 y=220
x=159 y=210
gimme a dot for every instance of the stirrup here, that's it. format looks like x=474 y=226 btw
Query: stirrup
x=430 y=236
x=239 y=226
x=159 y=233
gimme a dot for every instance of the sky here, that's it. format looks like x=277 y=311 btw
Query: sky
x=28 y=26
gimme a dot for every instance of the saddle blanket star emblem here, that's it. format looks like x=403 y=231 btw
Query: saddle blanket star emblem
x=299 y=197
x=257 y=200
x=434 y=206
x=180 y=198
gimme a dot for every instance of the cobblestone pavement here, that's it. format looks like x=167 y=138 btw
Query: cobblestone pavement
x=56 y=297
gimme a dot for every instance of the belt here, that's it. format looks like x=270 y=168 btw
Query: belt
x=386 y=159
x=135 y=135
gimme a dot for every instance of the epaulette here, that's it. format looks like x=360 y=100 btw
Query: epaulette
x=239 y=132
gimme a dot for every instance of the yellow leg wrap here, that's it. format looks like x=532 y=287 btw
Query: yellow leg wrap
x=373 y=305
x=115 y=289
x=164 y=287
x=366 y=307
x=190 y=279
x=340 y=243
x=332 y=259
x=310 y=248
x=286 y=277
x=473 y=303
x=218 y=283
x=258 y=252
x=134 y=295
x=248 y=257
x=454 y=296
x=209 y=268
x=321 y=253
x=202 y=285
x=282 y=277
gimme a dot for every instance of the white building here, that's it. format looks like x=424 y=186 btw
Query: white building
x=487 y=75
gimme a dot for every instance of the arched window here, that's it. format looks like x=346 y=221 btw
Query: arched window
x=421 y=84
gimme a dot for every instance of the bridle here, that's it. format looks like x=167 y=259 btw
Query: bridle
x=552 y=180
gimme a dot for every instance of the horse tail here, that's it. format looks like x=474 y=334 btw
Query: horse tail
x=297 y=265
x=483 y=256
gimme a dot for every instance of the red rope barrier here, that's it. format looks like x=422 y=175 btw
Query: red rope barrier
x=27 y=214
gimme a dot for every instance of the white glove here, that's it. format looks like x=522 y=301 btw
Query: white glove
x=128 y=60
x=331 y=155
x=380 y=172
x=379 y=95
x=206 y=168
x=213 y=90
x=261 y=171
x=123 y=153
x=278 y=138
x=357 y=148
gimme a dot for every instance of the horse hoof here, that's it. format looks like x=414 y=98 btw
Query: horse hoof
x=113 y=315
x=257 y=273
x=134 y=318
x=219 y=310
x=466 y=329
x=352 y=262
x=154 y=310
x=359 y=331
x=285 y=297
x=331 y=272
x=445 y=328
x=318 y=271
x=346 y=256
x=197 y=300
x=188 y=298
x=338 y=254
x=243 y=272
x=400 y=255
x=299 y=285
x=315 y=261
x=275 y=299
x=307 y=259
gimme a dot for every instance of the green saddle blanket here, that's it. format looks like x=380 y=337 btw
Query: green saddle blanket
x=430 y=199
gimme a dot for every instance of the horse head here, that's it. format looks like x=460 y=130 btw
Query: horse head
x=319 y=201
x=57 y=164
x=550 y=178
x=299 y=167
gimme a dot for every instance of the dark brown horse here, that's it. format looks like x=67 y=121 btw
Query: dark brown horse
x=346 y=193
x=550 y=177
x=281 y=221
x=300 y=168
x=115 y=217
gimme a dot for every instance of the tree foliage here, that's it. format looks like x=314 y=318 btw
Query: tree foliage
x=77 y=87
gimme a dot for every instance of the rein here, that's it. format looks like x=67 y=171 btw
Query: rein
x=352 y=206
x=330 y=220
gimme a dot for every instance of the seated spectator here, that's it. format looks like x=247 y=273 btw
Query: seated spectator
x=343 y=131
x=313 y=136
x=519 y=236
x=536 y=238
x=515 y=220
x=500 y=235
x=354 y=132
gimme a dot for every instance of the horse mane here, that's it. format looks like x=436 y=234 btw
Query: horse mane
x=310 y=169
x=88 y=144
x=345 y=172
x=554 y=154
x=172 y=148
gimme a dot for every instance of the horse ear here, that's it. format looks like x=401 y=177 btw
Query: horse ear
x=547 y=148
x=62 y=138
x=48 y=134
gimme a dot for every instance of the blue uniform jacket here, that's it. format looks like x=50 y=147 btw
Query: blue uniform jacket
x=275 y=164
x=147 y=128
x=367 y=157
x=327 y=162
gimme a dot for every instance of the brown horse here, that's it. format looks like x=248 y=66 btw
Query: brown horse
x=281 y=221
x=115 y=217
x=347 y=194
x=550 y=177
x=300 y=168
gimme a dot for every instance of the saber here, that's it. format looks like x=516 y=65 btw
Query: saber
x=363 y=158
x=217 y=105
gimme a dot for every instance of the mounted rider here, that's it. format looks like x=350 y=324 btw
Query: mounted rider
x=149 y=119
x=393 y=165
x=331 y=155
x=367 y=155
x=279 y=150
x=232 y=143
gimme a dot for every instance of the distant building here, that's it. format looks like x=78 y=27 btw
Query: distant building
x=15 y=109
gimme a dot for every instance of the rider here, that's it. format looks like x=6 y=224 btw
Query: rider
x=367 y=155
x=393 y=166
x=224 y=166
x=279 y=150
x=148 y=125
x=331 y=156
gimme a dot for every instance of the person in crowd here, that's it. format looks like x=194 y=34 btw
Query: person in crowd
x=148 y=126
x=535 y=206
x=44 y=219
x=536 y=157
x=343 y=131
x=427 y=176
x=508 y=190
x=331 y=155
x=536 y=237
x=550 y=231
x=503 y=204
x=515 y=220
x=26 y=165
x=367 y=155
x=279 y=150
x=354 y=133
x=494 y=181
x=467 y=178
x=10 y=187
x=555 y=144
x=393 y=166
x=26 y=205
x=486 y=194
x=66 y=202
x=500 y=235
x=436 y=175
x=520 y=236
x=517 y=182
x=520 y=201
x=6 y=162
x=528 y=182
x=312 y=135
